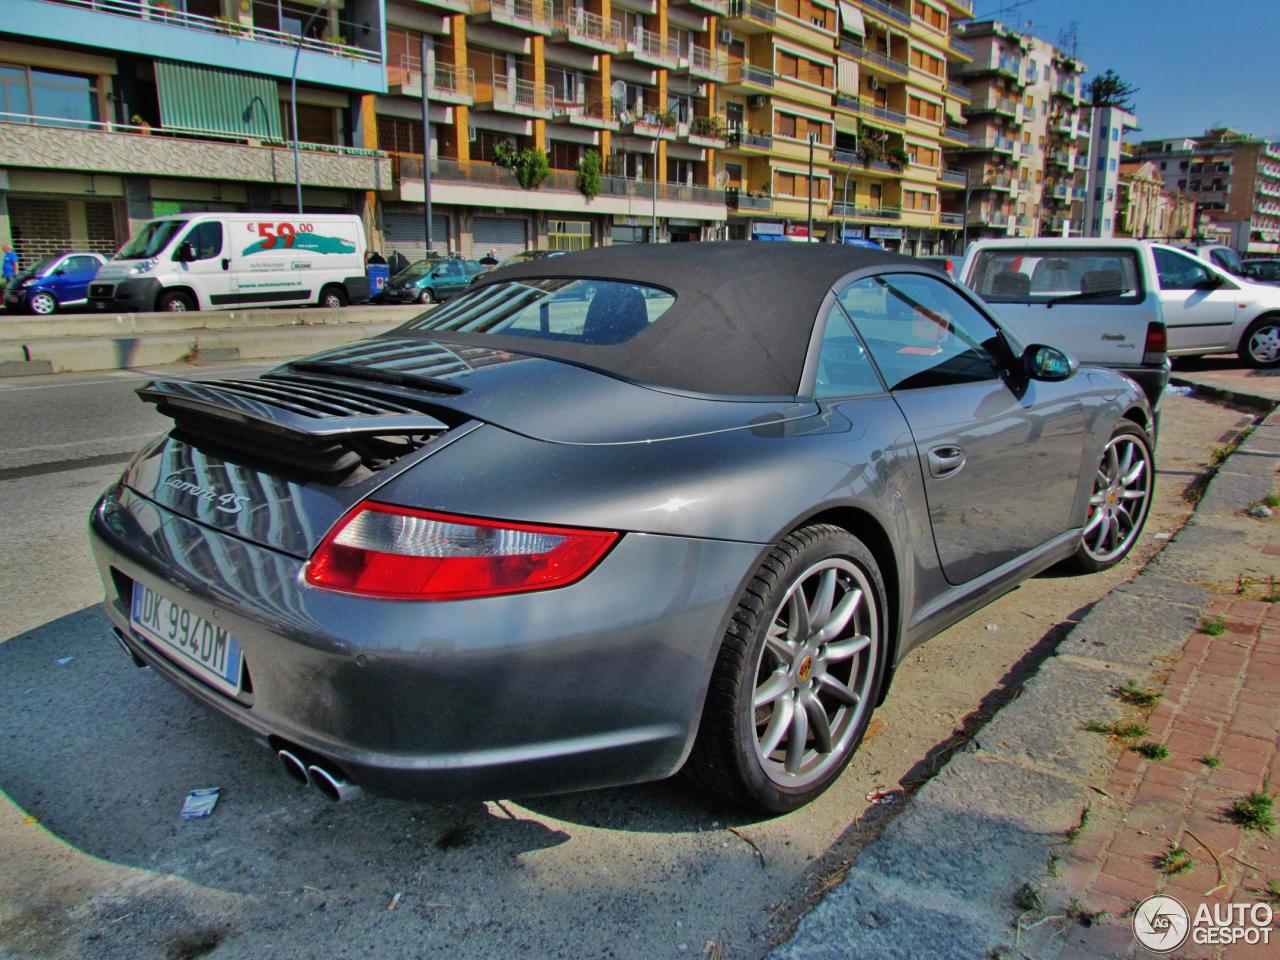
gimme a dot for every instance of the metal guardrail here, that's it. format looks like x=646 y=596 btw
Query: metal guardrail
x=748 y=138
x=151 y=12
x=182 y=133
x=958 y=90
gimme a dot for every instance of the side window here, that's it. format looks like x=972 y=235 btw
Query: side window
x=1178 y=272
x=455 y=269
x=206 y=238
x=920 y=332
x=844 y=369
x=79 y=265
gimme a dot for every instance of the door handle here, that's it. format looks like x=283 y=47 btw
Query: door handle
x=945 y=460
x=226 y=263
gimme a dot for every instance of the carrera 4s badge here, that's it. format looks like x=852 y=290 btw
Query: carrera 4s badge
x=226 y=502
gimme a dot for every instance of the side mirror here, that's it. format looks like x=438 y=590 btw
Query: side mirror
x=59 y=272
x=186 y=253
x=1041 y=362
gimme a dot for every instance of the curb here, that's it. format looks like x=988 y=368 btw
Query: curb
x=940 y=881
x=1250 y=401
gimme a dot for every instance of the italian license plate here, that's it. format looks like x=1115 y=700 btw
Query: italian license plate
x=204 y=648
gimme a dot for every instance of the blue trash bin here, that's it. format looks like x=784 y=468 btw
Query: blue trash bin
x=378 y=274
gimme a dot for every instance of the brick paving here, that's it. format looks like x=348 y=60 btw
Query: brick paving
x=1220 y=699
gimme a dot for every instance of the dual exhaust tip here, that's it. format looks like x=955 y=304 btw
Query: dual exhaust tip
x=330 y=784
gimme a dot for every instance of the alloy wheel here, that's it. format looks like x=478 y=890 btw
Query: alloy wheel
x=1121 y=497
x=813 y=679
x=43 y=304
x=1264 y=344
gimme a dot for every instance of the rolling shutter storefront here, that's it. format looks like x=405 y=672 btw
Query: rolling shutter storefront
x=503 y=235
x=217 y=101
x=405 y=234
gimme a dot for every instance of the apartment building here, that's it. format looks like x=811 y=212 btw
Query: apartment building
x=1027 y=156
x=112 y=113
x=1105 y=157
x=1147 y=210
x=1235 y=180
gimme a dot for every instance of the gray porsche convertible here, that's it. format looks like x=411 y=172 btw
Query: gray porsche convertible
x=612 y=515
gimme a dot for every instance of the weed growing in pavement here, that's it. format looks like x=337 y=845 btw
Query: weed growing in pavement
x=1124 y=729
x=1256 y=811
x=1213 y=626
x=1027 y=897
x=1271 y=892
x=1077 y=912
x=1218 y=455
x=1054 y=865
x=1174 y=861
x=1271 y=500
x=1211 y=761
x=1074 y=833
x=1134 y=694
x=1152 y=750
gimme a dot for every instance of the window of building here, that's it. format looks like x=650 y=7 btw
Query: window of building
x=563 y=155
x=486 y=141
x=805 y=70
x=797 y=185
x=1115 y=133
x=784 y=125
x=808 y=12
x=934 y=18
x=398 y=135
x=918 y=200
x=58 y=99
x=922 y=156
x=922 y=60
x=924 y=109
x=568 y=234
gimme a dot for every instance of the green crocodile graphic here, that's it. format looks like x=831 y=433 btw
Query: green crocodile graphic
x=302 y=242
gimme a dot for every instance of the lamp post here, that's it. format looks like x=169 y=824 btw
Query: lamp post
x=809 y=234
x=426 y=146
x=844 y=191
x=293 y=99
x=968 y=192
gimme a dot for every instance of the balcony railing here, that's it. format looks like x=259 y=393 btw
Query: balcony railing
x=704 y=62
x=959 y=90
x=447 y=80
x=709 y=128
x=956 y=133
x=735 y=199
x=150 y=11
x=739 y=137
x=841 y=209
x=991 y=104
x=951 y=219
x=998 y=183
x=954 y=176
x=711 y=6
x=959 y=46
x=511 y=93
x=749 y=10
x=1060 y=157
x=992 y=218
x=743 y=72
x=871 y=109
x=888 y=63
x=651 y=46
x=589 y=28
x=538 y=15
x=1067 y=88
x=893 y=13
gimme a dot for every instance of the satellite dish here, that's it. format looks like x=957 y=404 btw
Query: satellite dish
x=722 y=179
x=617 y=89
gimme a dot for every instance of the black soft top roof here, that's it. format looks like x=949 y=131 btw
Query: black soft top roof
x=740 y=324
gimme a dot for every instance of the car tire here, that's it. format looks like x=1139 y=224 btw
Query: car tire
x=769 y=683
x=42 y=303
x=426 y=296
x=1120 y=502
x=1260 y=345
x=175 y=301
x=332 y=298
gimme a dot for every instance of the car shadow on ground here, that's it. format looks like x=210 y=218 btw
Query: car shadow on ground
x=103 y=753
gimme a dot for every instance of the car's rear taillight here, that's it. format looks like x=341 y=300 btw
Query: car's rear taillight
x=395 y=552
x=1157 y=344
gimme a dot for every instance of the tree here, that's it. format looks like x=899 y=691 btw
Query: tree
x=589 y=174
x=1110 y=90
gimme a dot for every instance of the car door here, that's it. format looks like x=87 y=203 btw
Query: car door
x=1000 y=456
x=1199 y=304
x=452 y=279
x=209 y=273
x=72 y=282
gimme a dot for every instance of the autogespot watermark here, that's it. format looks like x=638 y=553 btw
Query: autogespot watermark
x=1162 y=924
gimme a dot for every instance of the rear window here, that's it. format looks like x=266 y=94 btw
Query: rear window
x=1039 y=276
x=594 y=312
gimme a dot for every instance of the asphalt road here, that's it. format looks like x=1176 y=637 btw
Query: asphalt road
x=96 y=757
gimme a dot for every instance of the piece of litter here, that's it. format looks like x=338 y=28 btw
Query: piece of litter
x=1179 y=391
x=200 y=803
x=992 y=628
x=1162 y=535
x=28 y=820
x=395 y=901
x=63 y=661
x=1260 y=511
x=883 y=796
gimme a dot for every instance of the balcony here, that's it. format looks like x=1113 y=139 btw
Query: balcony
x=956 y=134
x=747 y=141
x=1059 y=191
x=154 y=29
x=589 y=30
x=704 y=63
x=718 y=7
x=959 y=177
x=536 y=16
x=852 y=210
x=708 y=132
x=998 y=184
x=1062 y=123
x=735 y=199
x=747 y=16
x=748 y=78
x=584 y=113
x=959 y=91
x=883 y=11
x=868 y=109
x=648 y=125
x=873 y=59
x=990 y=104
x=951 y=219
x=43 y=143
x=507 y=95
x=1061 y=158
x=1009 y=66
x=648 y=46
x=990 y=218
x=1028 y=113
x=962 y=48
x=1079 y=193
x=1067 y=88
x=449 y=84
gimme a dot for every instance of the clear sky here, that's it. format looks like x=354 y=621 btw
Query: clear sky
x=1197 y=63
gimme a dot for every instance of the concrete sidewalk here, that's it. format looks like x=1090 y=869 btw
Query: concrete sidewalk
x=997 y=856
x=83 y=342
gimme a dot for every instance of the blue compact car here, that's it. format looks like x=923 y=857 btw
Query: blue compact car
x=60 y=280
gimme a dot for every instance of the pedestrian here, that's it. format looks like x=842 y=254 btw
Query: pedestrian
x=490 y=259
x=376 y=258
x=10 y=265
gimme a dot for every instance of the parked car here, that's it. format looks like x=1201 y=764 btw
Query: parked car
x=1098 y=299
x=1262 y=270
x=528 y=256
x=57 y=281
x=221 y=261
x=1219 y=255
x=431 y=280
x=947 y=263
x=528 y=543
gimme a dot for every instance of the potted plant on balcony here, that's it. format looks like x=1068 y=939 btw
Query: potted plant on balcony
x=897 y=157
x=144 y=128
x=589 y=174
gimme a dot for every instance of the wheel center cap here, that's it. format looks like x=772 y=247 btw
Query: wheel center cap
x=806 y=668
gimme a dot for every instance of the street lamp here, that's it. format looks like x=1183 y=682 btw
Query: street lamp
x=844 y=192
x=809 y=235
x=293 y=97
x=968 y=192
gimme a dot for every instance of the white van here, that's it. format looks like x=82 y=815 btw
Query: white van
x=221 y=261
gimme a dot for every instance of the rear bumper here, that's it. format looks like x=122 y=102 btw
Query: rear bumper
x=595 y=684
x=1152 y=380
